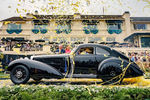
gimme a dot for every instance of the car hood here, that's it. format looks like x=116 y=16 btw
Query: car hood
x=51 y=56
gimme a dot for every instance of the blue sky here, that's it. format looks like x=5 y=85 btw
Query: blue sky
x=95 y=7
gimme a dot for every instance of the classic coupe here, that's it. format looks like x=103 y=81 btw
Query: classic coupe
x=85 y=61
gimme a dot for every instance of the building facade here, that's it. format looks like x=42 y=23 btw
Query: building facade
x=77 y=27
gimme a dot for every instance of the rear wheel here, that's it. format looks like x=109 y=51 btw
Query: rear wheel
x=19 y=74
x=112 y=73
x=113 y=78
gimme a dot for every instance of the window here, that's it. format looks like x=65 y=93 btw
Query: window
x=14 y=26
x=86 y=50
x=114 y=26
x=100 y=51
x=90 y=28
x=63 y=26
x=75 y=39
x=94 y=39
x=61 y=39
x=139 y=26
x=40 y=26
x=110 y=39
x=145 y=41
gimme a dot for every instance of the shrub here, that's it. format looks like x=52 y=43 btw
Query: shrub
x=73 y=92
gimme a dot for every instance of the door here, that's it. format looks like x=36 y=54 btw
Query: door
x=85 y=61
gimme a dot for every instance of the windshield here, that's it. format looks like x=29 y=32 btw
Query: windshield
x=73 y=50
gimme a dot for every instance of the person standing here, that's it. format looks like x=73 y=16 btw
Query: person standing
x=67 y=50
x=133 y=57
x=60 y=50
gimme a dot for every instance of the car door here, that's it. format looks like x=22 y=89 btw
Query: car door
x=85 y=63
x=56 y=62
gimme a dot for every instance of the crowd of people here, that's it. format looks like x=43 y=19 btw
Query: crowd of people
x=64 y=48
x=139 y=57
x=142 y=59
x=23 y=46
x=35 y=46
x=60 y=49
x=134 y=56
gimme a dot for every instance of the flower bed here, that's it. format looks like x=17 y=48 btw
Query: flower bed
x=73 y=92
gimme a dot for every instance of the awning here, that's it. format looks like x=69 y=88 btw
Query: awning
x=102 y=43
x=113 y=21
x=53 y=42
x=78 y=42
x=41 y=22
x=9 y=39
x=13 y=39
x=135 y=34
x=124 y=43
x=114 y=43
x=91 y=42
x=19 y=39
x=3 y=39
x=39 y=40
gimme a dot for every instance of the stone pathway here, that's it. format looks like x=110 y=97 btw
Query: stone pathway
x=128 y=82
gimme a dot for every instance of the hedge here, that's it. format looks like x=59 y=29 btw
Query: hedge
x=73 y=92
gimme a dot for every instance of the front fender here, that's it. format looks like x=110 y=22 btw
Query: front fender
x=32 y=64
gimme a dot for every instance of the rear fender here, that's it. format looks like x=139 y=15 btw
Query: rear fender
x=114 y=60
x=32 y=64
x=132 y=71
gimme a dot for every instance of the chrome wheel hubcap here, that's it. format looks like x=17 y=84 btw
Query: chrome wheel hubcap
x=19 y=74
x=112 y=73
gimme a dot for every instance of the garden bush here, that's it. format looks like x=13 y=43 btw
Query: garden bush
x=73 y=92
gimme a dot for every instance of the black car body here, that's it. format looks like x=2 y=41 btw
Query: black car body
x=103 y=62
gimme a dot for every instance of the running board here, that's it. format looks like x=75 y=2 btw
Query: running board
x=81 y=76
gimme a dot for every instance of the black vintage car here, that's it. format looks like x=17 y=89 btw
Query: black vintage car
x=85 y=61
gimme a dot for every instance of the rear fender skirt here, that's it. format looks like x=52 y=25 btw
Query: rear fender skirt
x=32 y=64
x=132 y=71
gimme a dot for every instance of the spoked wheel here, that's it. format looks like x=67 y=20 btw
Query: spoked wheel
x=114 y=77
x=19 y=74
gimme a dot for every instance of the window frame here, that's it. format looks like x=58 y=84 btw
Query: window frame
x=136 y=27
x=14 y=26
x=119 y=26
x=101 y=53
x=94 y=50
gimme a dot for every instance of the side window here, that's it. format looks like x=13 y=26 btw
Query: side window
x=100 y=51
x=86 y=50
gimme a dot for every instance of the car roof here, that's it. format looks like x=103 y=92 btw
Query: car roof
x=94 y=44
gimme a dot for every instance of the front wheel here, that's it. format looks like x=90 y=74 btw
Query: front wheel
x=19 y=74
